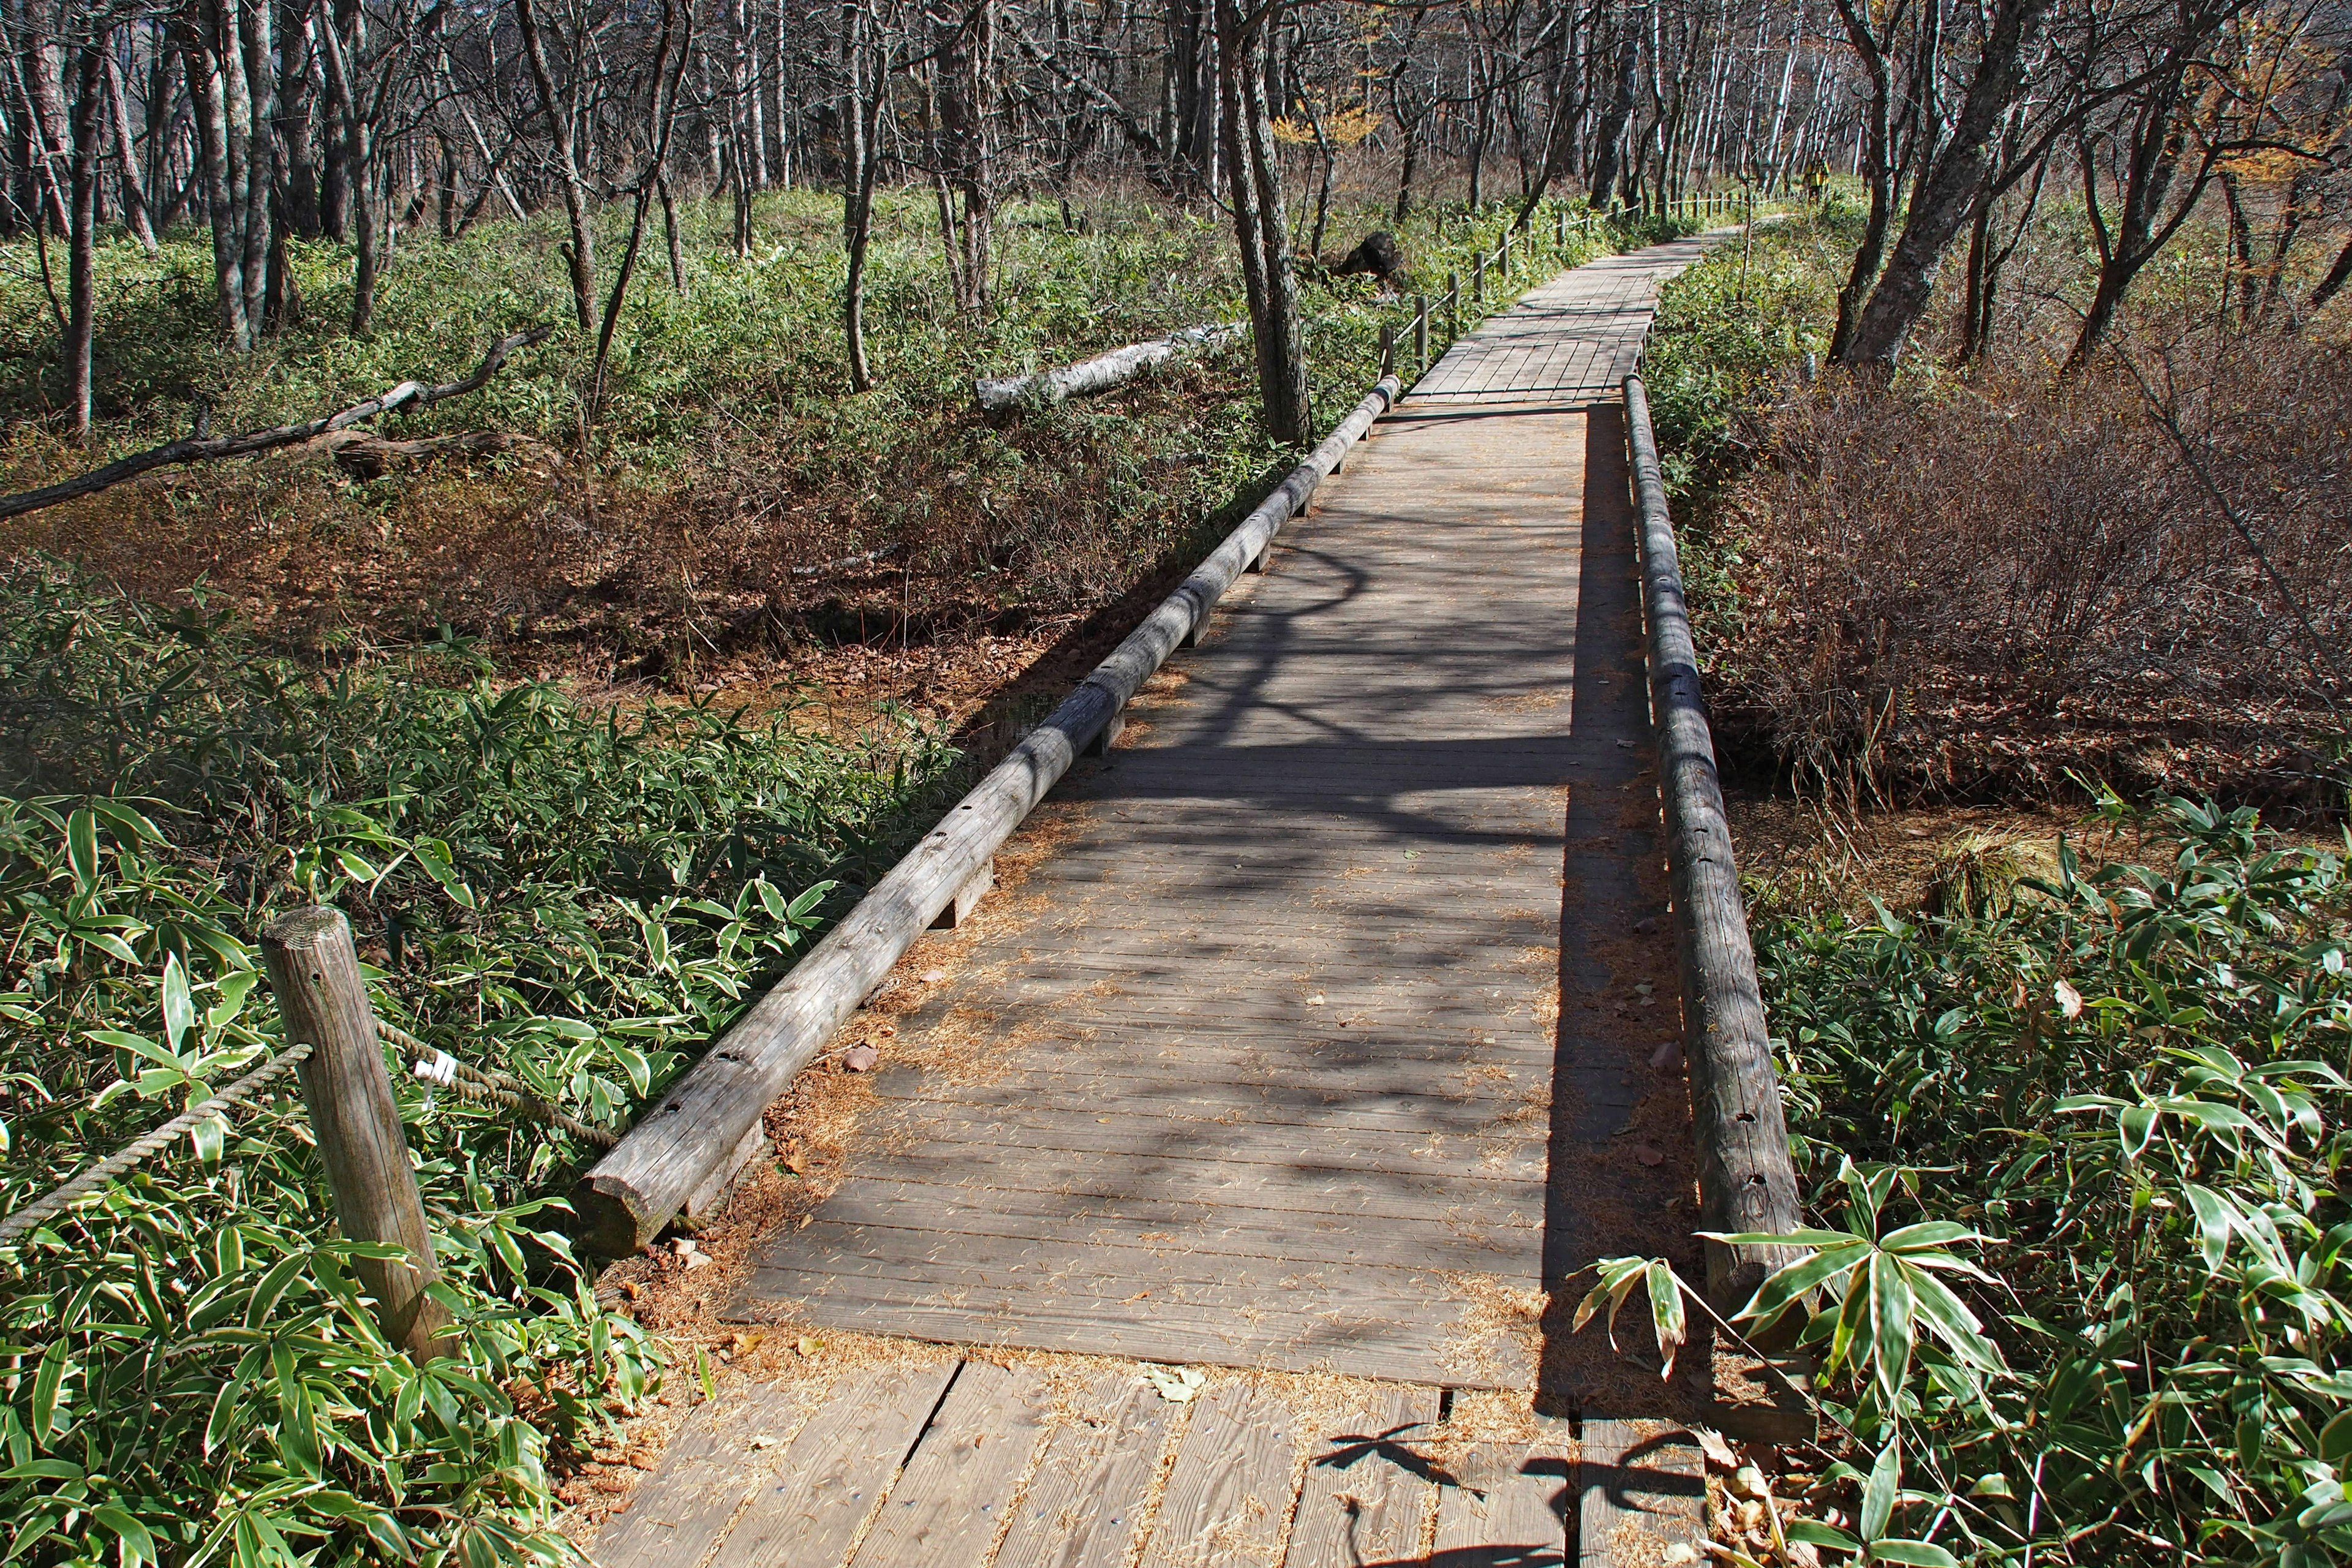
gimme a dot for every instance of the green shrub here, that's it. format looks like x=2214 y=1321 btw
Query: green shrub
x=2078 y=1161
x=577 y=898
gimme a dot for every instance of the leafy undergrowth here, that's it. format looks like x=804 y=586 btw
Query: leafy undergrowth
x=579 y=898
x=2075 y=1149
x=731 y=496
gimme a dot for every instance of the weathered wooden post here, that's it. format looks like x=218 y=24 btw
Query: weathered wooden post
x=1503 y=257
x=1478 y=277
x=1421 y=331
x=1453 y=306
x=1388 y=348
x=315 y=972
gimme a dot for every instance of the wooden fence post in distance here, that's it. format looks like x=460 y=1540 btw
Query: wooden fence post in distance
x=315 y=972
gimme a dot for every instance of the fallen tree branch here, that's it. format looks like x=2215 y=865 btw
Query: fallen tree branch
x=1099 y=374
x=199 y=447
x=843 y=564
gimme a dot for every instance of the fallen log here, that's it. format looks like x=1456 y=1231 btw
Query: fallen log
x=691 y=1140
x=1098 y=374
x=365 y=455
x=198 y=447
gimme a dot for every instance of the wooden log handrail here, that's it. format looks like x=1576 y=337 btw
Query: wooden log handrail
x=1746 y=1181
x=681 y=1143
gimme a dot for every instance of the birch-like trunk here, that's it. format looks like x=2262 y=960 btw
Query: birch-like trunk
x=570 y=182
x=81 y=296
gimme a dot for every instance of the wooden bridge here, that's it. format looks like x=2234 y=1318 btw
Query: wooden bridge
x=1315 y=1032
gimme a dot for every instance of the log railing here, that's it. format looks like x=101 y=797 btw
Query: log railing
x=1746 y=1179
x=707 y=1124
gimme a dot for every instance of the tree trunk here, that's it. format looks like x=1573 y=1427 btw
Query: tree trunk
x=967 y=111
x=256 y=54
x=126 y=152
x=861 y=118
x=354 y=156
x=583 y=254
x=1260 y=225
x=47 y=140
x=663 y=114
x=81 y=298
x=217 y=152
x=1609 y=138
x=1955 y=182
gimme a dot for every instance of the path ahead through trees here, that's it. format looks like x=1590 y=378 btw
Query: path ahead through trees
x=1315 y=1029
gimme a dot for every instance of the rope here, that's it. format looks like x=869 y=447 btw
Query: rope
x=55 y=1201
x=469 y=1083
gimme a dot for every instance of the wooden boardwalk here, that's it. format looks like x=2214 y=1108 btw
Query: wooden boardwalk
x=1322 y=1027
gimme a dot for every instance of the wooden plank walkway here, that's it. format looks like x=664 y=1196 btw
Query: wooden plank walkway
x=1319 y=1029
x=1271 y=1043
x=954 y=1461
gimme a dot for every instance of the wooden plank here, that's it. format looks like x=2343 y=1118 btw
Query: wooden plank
x=678 y=1512
x=1300 y=1188
x=820 y=1492
x=1641 y=1488
x=1462 y=1248
x=1085 y=1506
x=1369 y=1487
x=1156 y=1134
x=1227 y=1502
x=1210 y=1336
x=1507 y=1504
x=954 y=1498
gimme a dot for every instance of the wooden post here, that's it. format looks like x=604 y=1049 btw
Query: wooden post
x=1421 y=331
x=1453 y=306
x=1502 y=256
x=1478 y=277
x=1388 y=348
x=315 y=972
x=1745 y=1180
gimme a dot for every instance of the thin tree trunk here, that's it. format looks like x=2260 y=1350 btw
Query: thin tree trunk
x=1260 y=224
x=1954 y=183
x=126 y=152
x=354 y=157
x=861 y=120
x=81 y=297
x=582 y=254
x=664 y=113
x=207 y=92
x=258 y=55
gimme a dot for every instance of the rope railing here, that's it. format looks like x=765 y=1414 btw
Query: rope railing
x=430 y=1063
x=438 y=1067
x=131 y=1155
